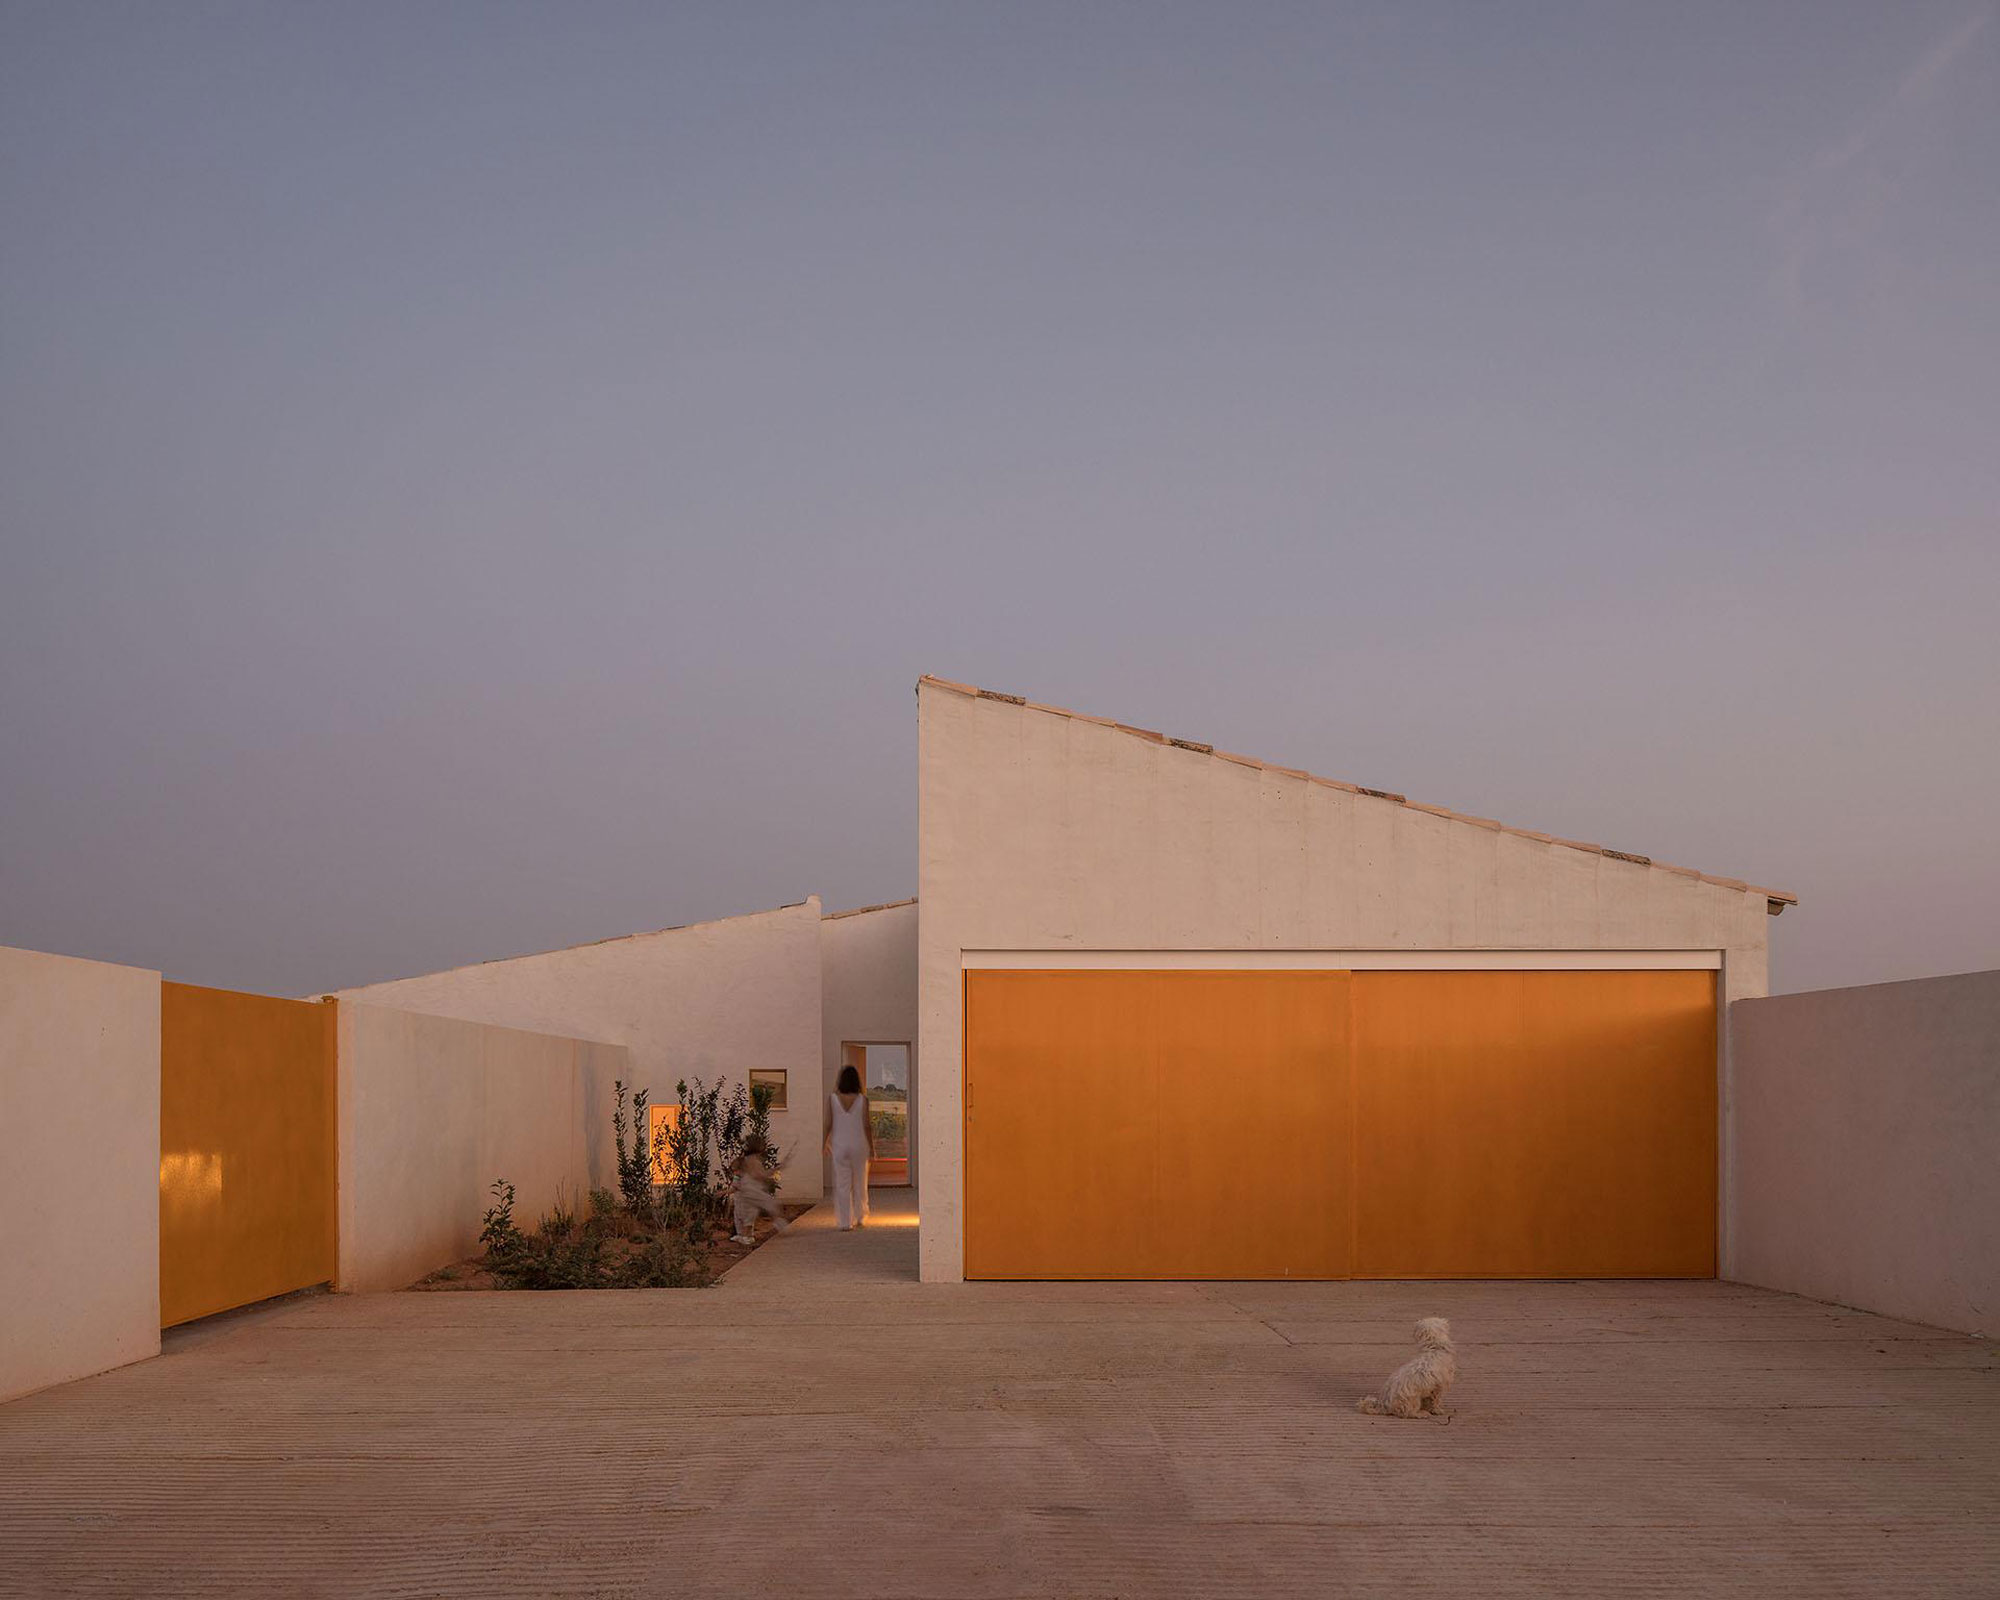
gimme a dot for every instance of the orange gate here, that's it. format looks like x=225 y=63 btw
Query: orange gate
x=247 y=1171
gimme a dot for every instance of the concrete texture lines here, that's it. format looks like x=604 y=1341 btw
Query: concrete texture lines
x=823 y=1425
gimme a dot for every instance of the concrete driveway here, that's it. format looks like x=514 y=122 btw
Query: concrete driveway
x=823 y=1425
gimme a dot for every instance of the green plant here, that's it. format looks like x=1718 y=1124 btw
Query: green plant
x=547 y=1264
x=890 y=1123
x=686 y=1145
x=635 y=1155
x=732 y=1123
x=761 y=1096
x=560 y=1218
x=698 y=1146
x=672 y=1255
x=496 y=1229
x=641 y=1235
x=609 y=1248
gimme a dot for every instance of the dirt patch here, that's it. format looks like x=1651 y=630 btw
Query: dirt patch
x=719 y=1254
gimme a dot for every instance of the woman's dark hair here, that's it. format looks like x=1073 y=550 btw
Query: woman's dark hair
x=850 y=1081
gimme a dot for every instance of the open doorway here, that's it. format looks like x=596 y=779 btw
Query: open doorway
x=885 y=1075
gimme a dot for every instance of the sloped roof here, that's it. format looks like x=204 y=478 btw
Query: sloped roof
x=862 y=911
x=1777 y=899
x=564 y=949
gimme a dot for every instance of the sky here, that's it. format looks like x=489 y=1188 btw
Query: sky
x=478 y=478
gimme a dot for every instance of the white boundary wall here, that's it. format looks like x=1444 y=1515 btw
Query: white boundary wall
x=1868 y=1147
x=1042 y=831
x=868 y=967
x=433 y=1110
x=79 y=1168
x=711 y=1000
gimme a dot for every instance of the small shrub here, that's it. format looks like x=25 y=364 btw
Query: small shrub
x=497 y=1231
x=643 y=1235
x=760 y=1124
x=685 y=1145
x=699 y=1145
x=607 y=1249
x=635 y=1157
x=559 y=1219
x=761 y=1096
x=569 y=1260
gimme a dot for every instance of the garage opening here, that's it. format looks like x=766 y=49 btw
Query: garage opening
x=1315 y=1124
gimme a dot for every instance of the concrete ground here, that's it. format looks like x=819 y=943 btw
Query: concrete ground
x=822 y=1425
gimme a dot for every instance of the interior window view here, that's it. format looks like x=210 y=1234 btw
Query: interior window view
x=885 y=1074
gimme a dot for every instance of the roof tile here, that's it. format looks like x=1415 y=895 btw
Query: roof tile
x=862 y=911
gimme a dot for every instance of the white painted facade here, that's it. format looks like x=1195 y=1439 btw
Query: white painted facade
x=79 y=1168
x=868 y=985
x=1045 y=839
x=434 y=1109
x=1868 y=1147
x=711 y=1000
x=1041 y=831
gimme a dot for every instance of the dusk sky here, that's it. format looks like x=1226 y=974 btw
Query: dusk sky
x=478 y=478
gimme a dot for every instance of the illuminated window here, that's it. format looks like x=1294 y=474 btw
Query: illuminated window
x=660 y=1124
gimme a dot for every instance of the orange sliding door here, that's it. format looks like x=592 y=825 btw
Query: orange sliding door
x=1270 y=1124
x=1118 y=1124
x=1535 y=1124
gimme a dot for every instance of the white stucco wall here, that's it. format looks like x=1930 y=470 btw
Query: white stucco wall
x=711 y=1000
x=79 y=1168
x=1868 y=1147
x=868 y=985
x=433 y=1110
x=1046 y=830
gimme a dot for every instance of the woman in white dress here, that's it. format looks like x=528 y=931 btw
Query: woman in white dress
x=850 y=1140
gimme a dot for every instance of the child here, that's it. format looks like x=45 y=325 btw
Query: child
x=753 y=1191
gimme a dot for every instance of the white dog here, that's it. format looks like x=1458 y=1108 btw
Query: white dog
x=1419 y=1384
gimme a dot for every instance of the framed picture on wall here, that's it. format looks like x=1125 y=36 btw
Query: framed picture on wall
x=772 y=1079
